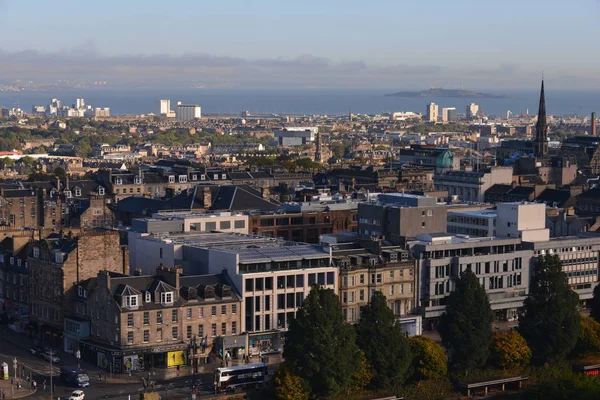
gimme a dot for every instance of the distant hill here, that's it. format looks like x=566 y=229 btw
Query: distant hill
x=438 y=92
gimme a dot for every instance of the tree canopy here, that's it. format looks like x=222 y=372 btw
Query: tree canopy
x=550 y=321
x=466 y=325
x=320 y=346
x=379 y=335
x=509 y=349
x=430 y=360
x=595 y=304
x=289 y=386
x=588 y=341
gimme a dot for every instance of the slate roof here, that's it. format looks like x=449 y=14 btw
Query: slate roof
x=139 y=205
x=551 y=196
x=241 y=198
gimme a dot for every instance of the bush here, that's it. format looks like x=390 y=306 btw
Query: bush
x=588 y=342
x=289 y=386
x=509 y=349
x=430 y=359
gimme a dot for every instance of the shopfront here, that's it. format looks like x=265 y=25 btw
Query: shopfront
x=234 y=346
x=265 y=343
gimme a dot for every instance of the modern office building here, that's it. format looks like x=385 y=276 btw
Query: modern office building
x=399 y=216
x=295 y=136
x=187 y=112
x=477 y=223
x=431 y=112
x=448 y=114
x=523 y=220
x=501 y=264
x=164 y=107
x=471 y=111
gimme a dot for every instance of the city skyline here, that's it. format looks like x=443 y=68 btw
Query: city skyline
x=267 y=44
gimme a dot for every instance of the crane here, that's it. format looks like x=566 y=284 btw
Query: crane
x=508 y=114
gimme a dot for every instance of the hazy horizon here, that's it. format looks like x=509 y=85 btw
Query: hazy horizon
x=268 y=44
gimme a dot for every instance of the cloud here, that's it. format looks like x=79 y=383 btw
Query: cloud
x=84 y=62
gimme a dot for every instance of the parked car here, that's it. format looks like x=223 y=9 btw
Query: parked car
x=77 y=395
x=50 y=355
x=37 y=351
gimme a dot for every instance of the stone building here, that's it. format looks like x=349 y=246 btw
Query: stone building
x=154 y=321
x=56 y=264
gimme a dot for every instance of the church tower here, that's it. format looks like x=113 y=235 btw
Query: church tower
x=541 y=128
x=318 y=155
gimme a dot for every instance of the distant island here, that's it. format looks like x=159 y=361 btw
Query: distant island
x=438 y=92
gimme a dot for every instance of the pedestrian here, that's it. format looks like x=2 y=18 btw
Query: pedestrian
x=178 y=370
x=44 y=385
x=3 y=394
x=34 y=383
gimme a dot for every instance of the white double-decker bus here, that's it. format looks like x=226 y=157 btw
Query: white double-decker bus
x=249 y=375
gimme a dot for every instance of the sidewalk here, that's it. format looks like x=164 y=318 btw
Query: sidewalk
x=18 y=393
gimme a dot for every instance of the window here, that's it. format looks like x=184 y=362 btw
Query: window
x=166 y=298
x=101 y=191
x=131 y=301
x=174 y=332
x=58 y=257
x=174 y=315
x=36 y=252
x=159 y=335
x=330 y=278
x=234 y=308
x=129 y=337
x=269 y=283
x=223 y=310
x=201 y=331
x=188 y=314
x=130 y=320
x=234 y=328
x=194 y=177
x=159 y=317
x=225 y=225
x=223 y=328
x=210 y=226
x=188 y=332
x=249 y=285
x=146 y=318
x=148 y=297
x=239 y=224
x=171 y=178
x=118 y=181
x=77 y=192
x=213 y=329
x=201 y=312
x=182 y=178
x=213 y=311
x=68 y=194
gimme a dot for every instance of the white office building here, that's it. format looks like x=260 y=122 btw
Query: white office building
x=296 y=135
x=476 y=223
x=187 y=112
x=164 y=107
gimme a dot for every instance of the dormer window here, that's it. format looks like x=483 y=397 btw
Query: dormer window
x=137 y=180
x=182 y=178
x=171 y=178
x=131 y=301
x=18 y=262
x=118 y=181
x=216 y=176
x=223 y=176
x=58 y=257
x=148 y=297
x=12 y=261
x=79 y=291
x=202 y=177
x=166 y=298
x=36 y=252
x=77 y=192
x=53 y=192
x=68 y=194
x=194 y=177
x=101 y=191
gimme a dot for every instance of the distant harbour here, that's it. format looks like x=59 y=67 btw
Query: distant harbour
x=305 y=101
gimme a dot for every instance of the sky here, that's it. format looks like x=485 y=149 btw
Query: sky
x=400 y=44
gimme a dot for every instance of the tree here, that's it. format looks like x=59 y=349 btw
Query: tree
x=466 y=326
x=380 y=336
x=595 y=312
x=550 y=321
x=7 y=162
x=509 y=349
x=362 y=377
x=289 y=386
x=430 y=360
x=588 y=342
x=27 y=160
x=320 y=346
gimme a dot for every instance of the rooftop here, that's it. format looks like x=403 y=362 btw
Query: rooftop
x=487 y=213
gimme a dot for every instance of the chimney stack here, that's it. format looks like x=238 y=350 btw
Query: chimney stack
x=594 y=128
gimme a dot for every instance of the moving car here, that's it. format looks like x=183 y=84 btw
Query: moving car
x=50 y=355
x=77 y=395
x=37 y=351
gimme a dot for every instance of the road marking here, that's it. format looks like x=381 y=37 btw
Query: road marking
x=45 y=371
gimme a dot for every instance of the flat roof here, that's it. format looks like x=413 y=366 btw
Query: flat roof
x=486 y=213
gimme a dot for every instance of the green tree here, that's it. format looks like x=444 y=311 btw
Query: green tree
x=338 y=149
x=509 y=349
x=588 y=342
x=289 y=386
x=595 y=312
x=430 y=359
x=320 y=346
x=466 y=325
x=362 y=376
x=27 y=160
x=550 y=321
x=7 y=162
x=380 y=336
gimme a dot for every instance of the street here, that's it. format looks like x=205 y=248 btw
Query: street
x=40 y=371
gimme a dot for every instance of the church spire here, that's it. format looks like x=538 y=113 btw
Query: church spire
x=541 y=128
